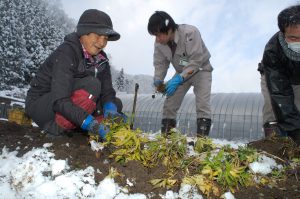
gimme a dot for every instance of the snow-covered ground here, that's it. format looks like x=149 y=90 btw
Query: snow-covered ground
x=38 y=175
x=25 y=177
x=17 y=94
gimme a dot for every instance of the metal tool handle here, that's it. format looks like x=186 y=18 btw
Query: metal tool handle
x=134 y=105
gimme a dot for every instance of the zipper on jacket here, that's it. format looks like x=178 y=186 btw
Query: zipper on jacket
x=96 y=68
x=96 y=71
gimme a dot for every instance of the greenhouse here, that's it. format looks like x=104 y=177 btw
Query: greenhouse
x=235 y=116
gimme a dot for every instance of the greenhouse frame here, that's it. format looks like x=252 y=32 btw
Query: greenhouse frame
x=235 y=116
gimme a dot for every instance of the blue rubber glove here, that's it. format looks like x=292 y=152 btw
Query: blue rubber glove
x=173 y=84
x=124 y=117
x=93 y=126
x=157 y=82
x=110 y=109
x=103 y=130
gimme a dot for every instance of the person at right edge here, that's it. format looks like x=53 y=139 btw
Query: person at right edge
x=280 y=77
x=182 y=46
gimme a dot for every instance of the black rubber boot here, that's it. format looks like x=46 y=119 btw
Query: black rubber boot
x=167 y=125
x=271 y=129
x=203 y=127
x=53 y=130
x=295 y=135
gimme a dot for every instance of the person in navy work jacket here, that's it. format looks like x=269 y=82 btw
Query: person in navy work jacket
x=280 y=77
x=76 y=79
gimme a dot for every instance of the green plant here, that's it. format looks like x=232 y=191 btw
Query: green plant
x=128 y=145
x=163 y=183
x=204 y=144
x=169 y=151
x=213 y=169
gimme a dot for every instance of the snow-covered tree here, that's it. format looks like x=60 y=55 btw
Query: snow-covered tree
x=13 y=53
x=120 y=81
x=128 y=85
x=145 y=81
x=44 y=30
x=29 y=32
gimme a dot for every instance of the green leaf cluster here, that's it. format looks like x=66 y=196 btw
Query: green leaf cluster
x=213 y=169
x=169 y=151
x=128 y=145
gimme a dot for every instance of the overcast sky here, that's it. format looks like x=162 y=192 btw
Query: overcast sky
x=235 y=32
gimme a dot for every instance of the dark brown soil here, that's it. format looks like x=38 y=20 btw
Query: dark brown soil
x=80 y=155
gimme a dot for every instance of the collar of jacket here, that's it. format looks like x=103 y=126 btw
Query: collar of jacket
x=91 y=58
x=93 y=61
x=288 y=52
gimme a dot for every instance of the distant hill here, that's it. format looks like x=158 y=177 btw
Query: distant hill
x=145 y=82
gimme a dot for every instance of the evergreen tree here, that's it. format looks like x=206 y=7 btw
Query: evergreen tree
x=43 y=32
x=120 y=81
x=29 y=32
x=128 y=85
x=32 y=17
x=13 y=53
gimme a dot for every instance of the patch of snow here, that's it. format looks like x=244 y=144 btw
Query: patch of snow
x=228 y=195
x=110 y=187
x=189 y=192
x=129 y=183
x=169 y=195
x=57 y=166
x=29 y=137
x=24 y=177
x=105 y=161
x=17 y=104
x=46 y=145
x=264 y=165
x=232 y=144
x=96 y=146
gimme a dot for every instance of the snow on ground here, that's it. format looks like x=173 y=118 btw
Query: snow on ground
x=232 y=144
x=264 y=165
x=24 y=177
x=15 y=93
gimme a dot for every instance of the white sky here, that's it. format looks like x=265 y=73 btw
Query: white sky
x=235 y=32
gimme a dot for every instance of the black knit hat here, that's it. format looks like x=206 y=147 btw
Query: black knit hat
x=96 y=21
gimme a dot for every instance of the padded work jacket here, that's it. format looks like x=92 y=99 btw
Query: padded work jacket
x=281 y=67
x=58 y=74
x=190 y=56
